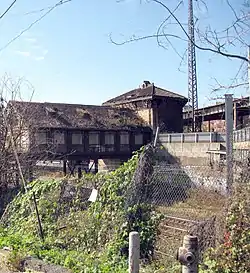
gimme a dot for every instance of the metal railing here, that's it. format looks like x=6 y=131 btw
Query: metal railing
x=242 y=135
x=193 y=137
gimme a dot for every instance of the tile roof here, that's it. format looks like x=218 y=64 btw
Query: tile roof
x=146 y=92
x=60 y=115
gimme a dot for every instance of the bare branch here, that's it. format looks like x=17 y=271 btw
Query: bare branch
x=214 y=38
x=61 y=2
x=228 y=87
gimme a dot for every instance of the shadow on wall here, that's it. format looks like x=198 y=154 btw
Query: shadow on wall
x=169 y=182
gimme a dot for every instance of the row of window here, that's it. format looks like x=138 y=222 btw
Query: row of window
x=93 y=139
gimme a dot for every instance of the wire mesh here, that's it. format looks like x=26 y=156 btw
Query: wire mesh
x=191 y=200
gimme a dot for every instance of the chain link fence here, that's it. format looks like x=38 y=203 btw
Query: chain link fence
x=191 y=199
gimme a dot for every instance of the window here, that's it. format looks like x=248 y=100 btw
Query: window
x=41 y=138
x=109 y=139
x=138 y=139
x=94 y=142
x=124 y=138
x=59 y=138
x=76 y=138
x=124 y=142
x=94 y=138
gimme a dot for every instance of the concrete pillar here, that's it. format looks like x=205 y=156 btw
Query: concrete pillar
x=134 y=252
x=64 y=167
x=229 y=139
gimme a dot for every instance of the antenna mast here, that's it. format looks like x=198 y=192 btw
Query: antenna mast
x=192 y=77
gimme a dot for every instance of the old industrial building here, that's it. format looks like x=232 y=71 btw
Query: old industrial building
x=212 y=118
x=78 y=134
x=156 y=106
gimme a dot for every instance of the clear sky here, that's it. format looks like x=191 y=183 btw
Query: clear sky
x=68 y=56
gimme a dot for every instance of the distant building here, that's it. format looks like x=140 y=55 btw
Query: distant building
x=156 y=106
x=80 y=134
x=212 y=118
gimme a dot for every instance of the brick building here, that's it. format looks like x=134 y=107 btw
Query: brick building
x=155 y=105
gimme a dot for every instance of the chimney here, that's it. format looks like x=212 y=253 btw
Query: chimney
x=145 y=84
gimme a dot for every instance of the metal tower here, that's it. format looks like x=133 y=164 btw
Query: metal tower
x=192 y=77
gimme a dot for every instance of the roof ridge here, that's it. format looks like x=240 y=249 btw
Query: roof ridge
x=170 y=91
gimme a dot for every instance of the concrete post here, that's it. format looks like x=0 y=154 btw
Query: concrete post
x=248 y=75
x=229 y=139
x=134 y=252
x=64 y=167
x=188 y=254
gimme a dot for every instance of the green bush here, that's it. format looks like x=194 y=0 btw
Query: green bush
x=93 y=239
x=234 y=255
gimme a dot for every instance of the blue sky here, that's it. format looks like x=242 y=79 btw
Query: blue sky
x=68 y=56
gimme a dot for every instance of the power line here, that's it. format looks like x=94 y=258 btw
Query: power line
x=6 y=11
x=44 y=9
x=61 y=2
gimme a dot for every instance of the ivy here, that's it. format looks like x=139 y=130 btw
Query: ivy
x=81 y=236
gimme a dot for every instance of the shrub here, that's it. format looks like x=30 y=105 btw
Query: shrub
x=233 y=256
x=93 y=239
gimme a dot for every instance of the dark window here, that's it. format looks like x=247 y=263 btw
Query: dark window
x=41 y=138
x=109 y=142
x=77 y=139
x=94 y=141
x=138 y=139
x=124 y=141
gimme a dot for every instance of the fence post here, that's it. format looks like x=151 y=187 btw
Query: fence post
x=229 y=139
x=134 y=252
x=188 y=254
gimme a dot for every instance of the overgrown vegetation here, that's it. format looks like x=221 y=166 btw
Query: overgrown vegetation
x=82 y=236
x=233 y=256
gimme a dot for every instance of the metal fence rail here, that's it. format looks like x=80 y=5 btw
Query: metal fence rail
x=241 y=135
x=192 y=137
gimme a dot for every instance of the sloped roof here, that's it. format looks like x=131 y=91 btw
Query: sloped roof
x=60 y=115
x=147 y=92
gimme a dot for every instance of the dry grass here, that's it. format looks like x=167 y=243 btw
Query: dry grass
x=200 y=205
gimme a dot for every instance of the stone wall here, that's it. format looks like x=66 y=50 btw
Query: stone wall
x=191 y=153
x=202 y=168
x=242 y=145
x=212 y=177
x=213 y=126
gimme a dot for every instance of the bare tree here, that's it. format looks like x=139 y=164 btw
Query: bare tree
x=227 y=41
x=18 y=129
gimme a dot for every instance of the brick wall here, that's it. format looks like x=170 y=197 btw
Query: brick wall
x=215 y=125
x=146 y=115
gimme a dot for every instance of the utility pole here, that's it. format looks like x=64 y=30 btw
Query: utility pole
x=192 y=76
x=229 y=140
x=249 y=78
